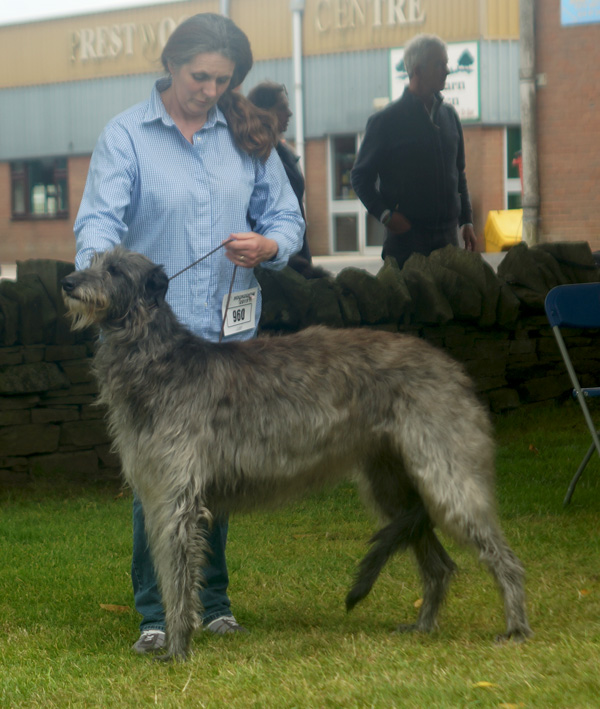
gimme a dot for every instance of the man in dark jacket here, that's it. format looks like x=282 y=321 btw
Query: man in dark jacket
x=410 y=169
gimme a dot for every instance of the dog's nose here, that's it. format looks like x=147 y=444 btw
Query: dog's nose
x=67 y=284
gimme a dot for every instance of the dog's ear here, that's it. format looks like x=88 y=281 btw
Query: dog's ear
x=156 y=286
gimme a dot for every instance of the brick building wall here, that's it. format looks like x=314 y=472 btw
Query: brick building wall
x=568 y=126
x=484 y=154
x=40 y=238
x=485 y=164
x=48 y=238
x=317 y=210
x=53 y=238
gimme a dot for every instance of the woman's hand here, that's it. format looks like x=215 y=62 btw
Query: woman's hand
x=248 y=249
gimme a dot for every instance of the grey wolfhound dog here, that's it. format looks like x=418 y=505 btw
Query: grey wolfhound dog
x=204 y=429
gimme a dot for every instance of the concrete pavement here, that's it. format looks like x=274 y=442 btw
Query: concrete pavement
x=372 y=264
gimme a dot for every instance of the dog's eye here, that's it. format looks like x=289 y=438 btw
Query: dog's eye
x=112 y=271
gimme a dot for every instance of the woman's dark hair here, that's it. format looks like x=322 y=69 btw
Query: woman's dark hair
x=266 y=94
x=206 y=33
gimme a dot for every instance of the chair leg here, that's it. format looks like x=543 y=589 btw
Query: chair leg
x=579 y=394
x=578 y=474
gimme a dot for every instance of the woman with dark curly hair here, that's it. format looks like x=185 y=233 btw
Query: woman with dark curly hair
x=273 y=98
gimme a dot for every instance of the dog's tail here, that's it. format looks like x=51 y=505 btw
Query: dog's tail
x=405 y=529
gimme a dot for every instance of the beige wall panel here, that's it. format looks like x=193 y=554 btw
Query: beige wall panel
x=268 y=24
x=130 y=41
x=91 y=46
x=502 y=19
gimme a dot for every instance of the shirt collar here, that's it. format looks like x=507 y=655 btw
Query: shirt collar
x=437 y=102
x=156 y=110
x=437 y=97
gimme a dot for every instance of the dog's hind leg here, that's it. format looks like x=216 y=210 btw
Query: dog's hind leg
x=406 y=527
x=387 y=486
x=468 y=515
x=409 y=528
x=436 y=569
x=454 y=473
x=179 y=550
x=394 y=495
x=508 y=572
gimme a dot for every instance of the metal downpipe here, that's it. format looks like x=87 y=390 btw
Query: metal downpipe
x=297 y=8
x=531 y=186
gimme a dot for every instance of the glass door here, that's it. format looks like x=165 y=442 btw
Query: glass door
x=352 y=229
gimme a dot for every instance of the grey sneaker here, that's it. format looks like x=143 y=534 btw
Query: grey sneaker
x=224 y=625
x=150 y=641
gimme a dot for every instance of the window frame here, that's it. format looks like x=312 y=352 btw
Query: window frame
x=512 y=180
x=348 y=204
x=20 y=178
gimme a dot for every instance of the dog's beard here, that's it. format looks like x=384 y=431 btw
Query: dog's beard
x=83 y=314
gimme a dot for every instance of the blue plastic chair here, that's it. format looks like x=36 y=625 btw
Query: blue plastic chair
x=577 y=306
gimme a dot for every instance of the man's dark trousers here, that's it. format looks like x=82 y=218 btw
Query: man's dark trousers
x=417 y=240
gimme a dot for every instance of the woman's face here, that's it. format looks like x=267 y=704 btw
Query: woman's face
x=282 y=110
x=199 y=84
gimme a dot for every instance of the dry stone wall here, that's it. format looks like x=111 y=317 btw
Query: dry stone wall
x=49 y=424
x=493 y=323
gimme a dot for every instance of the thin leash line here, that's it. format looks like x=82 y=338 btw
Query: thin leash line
x=227 y=304
x=197 y=261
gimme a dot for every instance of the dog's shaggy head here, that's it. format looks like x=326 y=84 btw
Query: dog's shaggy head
x=117 y=286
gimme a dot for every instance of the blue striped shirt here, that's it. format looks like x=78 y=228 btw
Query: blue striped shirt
x=153 y=192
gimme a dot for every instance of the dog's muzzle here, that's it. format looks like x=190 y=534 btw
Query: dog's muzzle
x=68 y=285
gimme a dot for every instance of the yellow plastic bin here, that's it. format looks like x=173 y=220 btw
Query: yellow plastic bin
x=503 y=229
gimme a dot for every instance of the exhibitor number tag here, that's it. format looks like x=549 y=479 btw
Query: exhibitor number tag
x=241 y=313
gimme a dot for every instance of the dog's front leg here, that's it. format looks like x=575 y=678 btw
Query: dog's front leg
x=177 y=535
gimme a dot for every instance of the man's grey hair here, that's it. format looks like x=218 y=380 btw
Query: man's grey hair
x=419 y=50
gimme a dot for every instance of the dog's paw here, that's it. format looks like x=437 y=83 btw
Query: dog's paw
x=170 y=657
x=407 y=628
x=418 y=627
x=516 y=636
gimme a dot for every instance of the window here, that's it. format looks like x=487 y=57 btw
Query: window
x=375 y=232
x=345 y=232
x=512 y=173
x=352 y=229
x=343 y=155
x=39 y=189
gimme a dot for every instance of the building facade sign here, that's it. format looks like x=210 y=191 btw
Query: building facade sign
x=579 y=12
x=127 y=39
x=462 y=84
x=332 y=15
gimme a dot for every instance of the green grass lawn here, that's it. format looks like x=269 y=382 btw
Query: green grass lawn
x=67 y=622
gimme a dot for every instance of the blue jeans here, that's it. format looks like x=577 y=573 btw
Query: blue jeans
x=148 y=603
